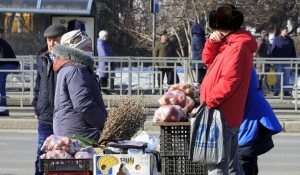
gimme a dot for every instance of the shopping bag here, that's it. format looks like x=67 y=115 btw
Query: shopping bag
x=271 y=79
x=207 y=136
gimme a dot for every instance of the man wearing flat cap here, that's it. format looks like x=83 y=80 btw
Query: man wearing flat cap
x=43 y=100
x=165 y=48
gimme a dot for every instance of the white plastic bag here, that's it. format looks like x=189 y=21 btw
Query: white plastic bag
x=207 y=136
x=151 y=141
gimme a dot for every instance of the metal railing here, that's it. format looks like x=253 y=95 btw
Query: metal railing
x=132 y=75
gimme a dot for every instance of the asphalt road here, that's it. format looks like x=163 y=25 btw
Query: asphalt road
x=18 y=153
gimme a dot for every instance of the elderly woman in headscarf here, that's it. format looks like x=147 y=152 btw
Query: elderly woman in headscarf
x=79 y=107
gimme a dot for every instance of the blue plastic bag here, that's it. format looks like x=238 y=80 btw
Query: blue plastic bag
x=207 y=136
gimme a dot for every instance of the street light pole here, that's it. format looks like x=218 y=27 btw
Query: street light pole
x=154 y=10
x=154 y=33
x=153 y=48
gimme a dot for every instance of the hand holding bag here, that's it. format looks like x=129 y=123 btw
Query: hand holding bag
x=207 y=136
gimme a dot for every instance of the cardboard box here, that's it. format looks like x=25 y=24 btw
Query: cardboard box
x=134 y=164
x=98 y=150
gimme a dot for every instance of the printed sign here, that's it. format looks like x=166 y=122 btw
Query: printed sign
x=131 y=164
x=212 y=135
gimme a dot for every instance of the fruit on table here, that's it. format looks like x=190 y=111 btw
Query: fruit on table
x=56 y=154
x=62 y=143
x=169 y=113
x=175 y=97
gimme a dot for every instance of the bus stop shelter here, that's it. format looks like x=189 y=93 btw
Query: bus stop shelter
x=60 y=11
x=54 y=7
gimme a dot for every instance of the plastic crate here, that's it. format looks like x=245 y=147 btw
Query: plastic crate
x=181 y=166
x=175 y=140
x=69 y=173
x=67 y=165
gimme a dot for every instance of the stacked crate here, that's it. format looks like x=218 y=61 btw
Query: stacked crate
x=67 y=166
x=174 y=150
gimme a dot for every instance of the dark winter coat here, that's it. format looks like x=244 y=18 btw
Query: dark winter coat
x=104 y=50
x=79 y=107
x=263 y=47
x=7 y=52
x=197 y=44
x=283 y=48
x=262 y=51
x=166 y=49
x=43 y=100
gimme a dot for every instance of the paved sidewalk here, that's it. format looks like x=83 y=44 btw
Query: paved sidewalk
x=24 y=119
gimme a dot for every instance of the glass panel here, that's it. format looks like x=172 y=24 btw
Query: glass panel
x=18 y=4
x=65 y=4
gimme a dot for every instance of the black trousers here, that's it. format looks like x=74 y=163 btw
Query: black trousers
x=249 y=165
x=104 y=83
x=170 y=76
x=200 y=75
x=249 y=153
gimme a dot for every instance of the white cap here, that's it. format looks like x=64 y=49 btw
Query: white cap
x=75 y=39
x=102 y=34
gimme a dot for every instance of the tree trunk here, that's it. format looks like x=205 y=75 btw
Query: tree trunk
x=295 y=25
x=179 y=42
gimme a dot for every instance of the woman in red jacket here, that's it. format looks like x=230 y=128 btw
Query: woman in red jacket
x=228 y=54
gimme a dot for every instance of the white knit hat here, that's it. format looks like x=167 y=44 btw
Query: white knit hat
x=102 y=34
x=75 y=39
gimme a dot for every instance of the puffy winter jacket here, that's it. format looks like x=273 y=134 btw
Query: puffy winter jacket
x=259 y=123
x=79 y=107
x=257 y=110
x=227 y=80
x=197 y=44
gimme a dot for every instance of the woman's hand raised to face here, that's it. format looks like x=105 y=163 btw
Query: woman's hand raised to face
x=216 y=37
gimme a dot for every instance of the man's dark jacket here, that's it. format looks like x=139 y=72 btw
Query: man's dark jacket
x=43 y=100
x=283 y=47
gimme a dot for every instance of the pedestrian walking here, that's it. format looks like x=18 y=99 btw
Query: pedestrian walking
x=104 y=50
x=283 y=47
x=228 y=54
x=259 y=125
x=262 y=52
x=43 y=100
x=165 y=48
x=79 y=107
x=6 y=52
x=197 y=45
